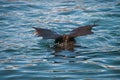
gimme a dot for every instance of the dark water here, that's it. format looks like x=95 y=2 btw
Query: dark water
x=23 y=56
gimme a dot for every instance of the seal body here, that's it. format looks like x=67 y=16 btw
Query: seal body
x=64 y=42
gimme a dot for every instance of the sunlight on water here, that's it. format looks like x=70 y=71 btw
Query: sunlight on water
x=24 y=56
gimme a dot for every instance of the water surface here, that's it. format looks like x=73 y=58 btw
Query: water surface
x=23 y=56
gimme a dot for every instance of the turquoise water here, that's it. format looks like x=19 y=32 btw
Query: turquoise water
x=23 y=56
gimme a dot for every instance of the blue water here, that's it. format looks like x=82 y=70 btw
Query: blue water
x=23 y=56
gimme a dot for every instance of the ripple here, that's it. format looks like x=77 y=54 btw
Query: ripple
x=25 y=56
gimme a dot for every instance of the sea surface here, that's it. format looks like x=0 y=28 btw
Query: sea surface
x=24 y=56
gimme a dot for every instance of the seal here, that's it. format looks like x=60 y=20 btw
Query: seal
x=65 y=41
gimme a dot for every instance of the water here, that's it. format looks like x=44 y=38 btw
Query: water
x=23 y=56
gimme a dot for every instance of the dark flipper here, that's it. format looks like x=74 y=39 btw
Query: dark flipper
x=46 y=33
x=81 y=31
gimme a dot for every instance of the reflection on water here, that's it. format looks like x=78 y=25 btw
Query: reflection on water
x=25 y=56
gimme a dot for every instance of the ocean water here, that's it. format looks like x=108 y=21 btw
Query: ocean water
x=24 y=56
